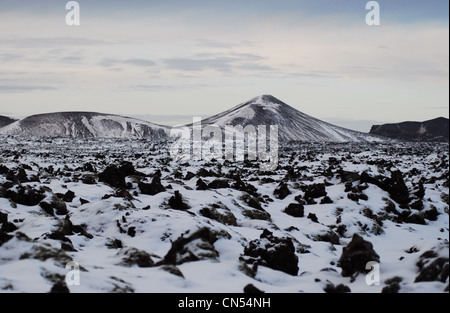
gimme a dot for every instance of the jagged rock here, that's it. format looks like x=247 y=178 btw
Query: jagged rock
x=113 y=176
x=356 y=255
x=172 y=269
x=256 y=214
x=357 y=196
x=275 y=253
x=417 y=205
x=8 y=227
x=295 y=210
x=21 y=176
x=313 y=217
x=59 y=287
x=177 y=202
x=341 y=288
x=131 y=232
x=395 y=186
x=3 y=217
x=133 y=256
x=219 y=213
x=314 y=191
x=205 y=173
x=83 y=201
x=115 y=244
x=68 y=196
x=89 y=167
x=198 y=246
x=415 y=218
x=349 y=176
x=26 y=195
x=434 y=264
x=329 y=236
x=43 y=253
x=420 y=193
x=201 y=185
x=56 y=206
x=252 y=202
x=393 y=285
x=4 y=237
x=250 y=289
x=65 y=246
x=123 y=193
x=153 y=188
x=189 y=176
x=326 y=200
x=88 y=180
x=241 y=186
x=58 y=235
x=3 y=169
x=282 y=191
x=431 y=214
x=219 y=184
x=127 y=169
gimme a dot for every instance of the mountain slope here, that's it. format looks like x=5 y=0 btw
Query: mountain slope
x=293 y=125
x=4 y=120
x=428 y=131
x=84 y=125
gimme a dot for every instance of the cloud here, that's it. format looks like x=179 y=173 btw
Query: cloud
x=6 y=57
x=225 y=63
x=208 y=43
x=256 y=67
x=18 y=88
x=72 y=59
x=221 y=64
x=155 y=88
x=108 y=62
x=139 y=62
x=35 y=42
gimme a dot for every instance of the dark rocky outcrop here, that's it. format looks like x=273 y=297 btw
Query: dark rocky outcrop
x=282 y=191
x=331 y=288
x=395 y=186
x=434 y=265
x=220 y=213
x=295 y=210
x=356 y=255
x=133 y=256
x=26 y=195
x=177 y=202
x=198 y=246
x=275 y=253
x=436 y=130
x=115 y=176
x=153 y=188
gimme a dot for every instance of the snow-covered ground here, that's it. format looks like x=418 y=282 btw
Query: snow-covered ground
x=124 y=231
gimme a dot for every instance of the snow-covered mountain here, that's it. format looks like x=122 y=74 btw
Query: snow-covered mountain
x=435 y=130
x=4 y=120
x=84 y=125
x=292 y=124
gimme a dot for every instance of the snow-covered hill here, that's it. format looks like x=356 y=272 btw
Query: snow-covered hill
x=4 y=120
x=84 y=125
x=293 y=125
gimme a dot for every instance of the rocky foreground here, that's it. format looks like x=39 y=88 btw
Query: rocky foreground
x=136 y=221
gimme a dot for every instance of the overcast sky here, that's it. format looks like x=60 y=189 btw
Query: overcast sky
x=201 y=57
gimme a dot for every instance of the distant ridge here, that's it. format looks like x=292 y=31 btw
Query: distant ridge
x=4 y=120
x=436 y=130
